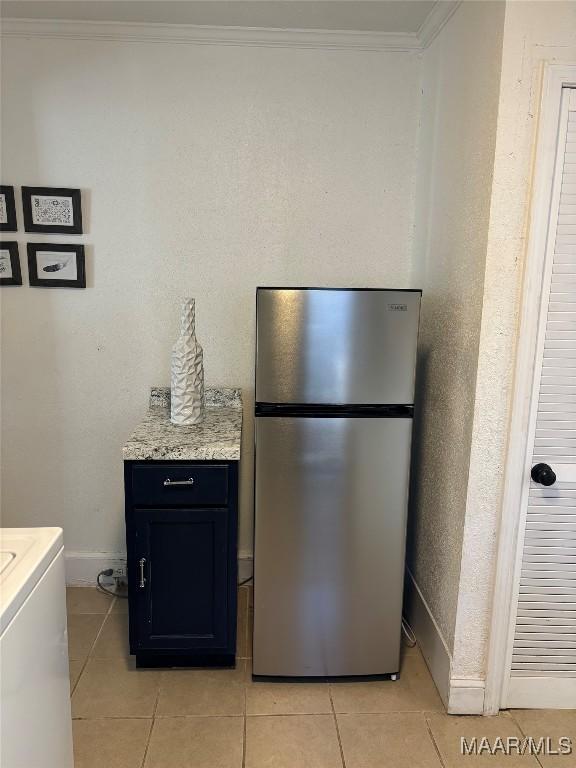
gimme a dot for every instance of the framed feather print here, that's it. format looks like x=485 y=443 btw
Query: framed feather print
x=52 y=210
x=56 y=265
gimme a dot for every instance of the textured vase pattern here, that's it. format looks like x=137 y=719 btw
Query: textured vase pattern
x=187 y=379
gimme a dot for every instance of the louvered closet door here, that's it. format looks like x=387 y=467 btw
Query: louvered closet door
x=543 y=670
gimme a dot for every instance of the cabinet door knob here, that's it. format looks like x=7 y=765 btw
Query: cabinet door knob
x=543 y=474
x=168 y=482
x=142 y=564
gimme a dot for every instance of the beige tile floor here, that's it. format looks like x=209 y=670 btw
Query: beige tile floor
x=128 y=718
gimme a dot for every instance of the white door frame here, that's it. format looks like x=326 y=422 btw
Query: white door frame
x=516 y=473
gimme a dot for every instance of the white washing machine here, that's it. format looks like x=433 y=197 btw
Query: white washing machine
x=35 y=717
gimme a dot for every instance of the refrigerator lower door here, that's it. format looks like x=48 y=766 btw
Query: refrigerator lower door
x=331 y=505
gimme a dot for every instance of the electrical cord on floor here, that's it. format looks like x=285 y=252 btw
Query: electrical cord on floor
x=408 y=633
x=108 y=572
x=102 y=588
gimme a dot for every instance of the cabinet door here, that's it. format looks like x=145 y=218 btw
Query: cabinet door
x=180 y=578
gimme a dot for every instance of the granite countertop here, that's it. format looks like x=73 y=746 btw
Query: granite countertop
x=216 y=437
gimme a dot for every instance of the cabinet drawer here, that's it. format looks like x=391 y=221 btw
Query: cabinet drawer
x=180 y=484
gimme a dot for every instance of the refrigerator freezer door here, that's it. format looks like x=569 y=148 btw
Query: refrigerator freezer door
x=336 y=346
x=331 y=501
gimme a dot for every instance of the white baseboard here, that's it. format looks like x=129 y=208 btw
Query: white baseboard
x=430 y=639
x=461 y=696
x=466 y=696
x=245 y=566
x=83 y=567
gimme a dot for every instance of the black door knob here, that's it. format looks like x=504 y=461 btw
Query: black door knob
x=543 y=474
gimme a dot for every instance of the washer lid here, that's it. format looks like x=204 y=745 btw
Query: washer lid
x=5 y=559
x=25 y=554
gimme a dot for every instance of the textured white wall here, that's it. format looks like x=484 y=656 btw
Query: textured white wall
x=460 y=82
x=205 y=171
x=534 y=32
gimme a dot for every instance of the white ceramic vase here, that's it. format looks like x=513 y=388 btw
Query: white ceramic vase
x=187 y=373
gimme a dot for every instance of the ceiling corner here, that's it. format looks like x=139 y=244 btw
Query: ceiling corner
x=440 y=14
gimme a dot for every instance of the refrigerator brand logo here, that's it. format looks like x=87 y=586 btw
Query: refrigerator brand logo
x=398 y=307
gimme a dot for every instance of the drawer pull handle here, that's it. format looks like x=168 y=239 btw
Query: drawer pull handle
x=142 y=563
x=169 y=482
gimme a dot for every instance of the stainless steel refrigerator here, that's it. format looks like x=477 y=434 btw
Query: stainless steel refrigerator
x=335 y=376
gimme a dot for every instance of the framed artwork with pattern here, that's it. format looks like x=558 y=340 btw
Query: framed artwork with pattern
x=7 y=210
x=55 y=210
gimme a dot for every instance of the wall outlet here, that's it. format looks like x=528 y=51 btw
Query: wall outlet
x=116 y=575
x=120 y=577
x=119 y=571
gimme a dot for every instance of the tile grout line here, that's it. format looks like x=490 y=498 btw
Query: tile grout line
x=88 y=655
x=152 y=724
x=517 y=724
x=245 y=724
x=119 y=717
x=245 y=671
x=104 y=620
x=342 y=758
x=262 y=714
x=433 y=740
x=148 y=740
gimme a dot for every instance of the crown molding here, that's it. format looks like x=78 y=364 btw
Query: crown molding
x=202 y=35
x=238 y=36
x=441 y=13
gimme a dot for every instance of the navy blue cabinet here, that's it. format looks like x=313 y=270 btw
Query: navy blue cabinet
x=181 y=531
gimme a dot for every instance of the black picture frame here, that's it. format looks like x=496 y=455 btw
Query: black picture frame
x=29 y=203
x=11 y=223
x=34 y=249
x=12 y=248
